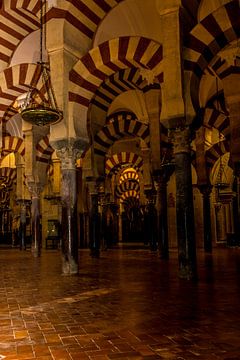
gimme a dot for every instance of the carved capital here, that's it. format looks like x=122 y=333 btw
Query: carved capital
x=231 y=55
x=147 y=75
x=181 y=138
x=205 y=190
x=69 y=151
x=92 y=185
x=35 y=188
x=151 y=196
x=160 y=184
x=68 y=156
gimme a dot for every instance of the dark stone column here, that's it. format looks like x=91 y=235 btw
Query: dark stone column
x=101 y=208
x=94 y=218
x=184 y=204
x=69 y=248
x=236 y=207
x=35 y=189
x=161 y=178
x=150 y=220
x=206 y=191
x=162 y=218
x=22 y=229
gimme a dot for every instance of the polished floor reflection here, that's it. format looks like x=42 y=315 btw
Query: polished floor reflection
x=129 y=304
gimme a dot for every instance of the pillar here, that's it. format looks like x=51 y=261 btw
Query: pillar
x=101 y=206
x=162 y=215
x=22 y=230
x=207 y=232
x=94 y=218
x=220 y=224
x=69 y=244
x=184 y=204
x=35 y=189
x=150 y=220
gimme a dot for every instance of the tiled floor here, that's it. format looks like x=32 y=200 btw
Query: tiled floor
x=126 y=305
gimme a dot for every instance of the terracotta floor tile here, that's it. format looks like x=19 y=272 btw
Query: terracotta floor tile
x=126 y=305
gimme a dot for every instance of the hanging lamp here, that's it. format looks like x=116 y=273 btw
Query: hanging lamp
x=47 y=112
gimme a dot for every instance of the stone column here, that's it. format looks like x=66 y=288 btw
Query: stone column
x=69 y=248
x=184 y=204
x=150 y=220
x=35 y=190
x=220 y=224
x=22 y=230
x=236 y=207
x=94 y=218
x=207 y=228
x=101 y=206
x=162 y=216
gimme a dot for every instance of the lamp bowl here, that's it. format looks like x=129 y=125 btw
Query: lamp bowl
x=41 y=116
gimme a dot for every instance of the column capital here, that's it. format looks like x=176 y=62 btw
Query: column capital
x=205 y=189
x=162 y=175
x=34 y=187
x=68 y=151
x=151 y=196
x=92 y=185
x=181 y=138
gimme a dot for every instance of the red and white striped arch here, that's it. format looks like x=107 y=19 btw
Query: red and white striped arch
x=116 y=160
x=13 y=144
x=206 y=39
x=218 y=120
x=128 y=175
x=131 y=185
x=44 y=150
x=214 y=153
x=18 y=19
x=130 y=194
x=108 y=58
x=124 y=80
x=21 y=17
x=8 y=175
x=83 y=15
x=123 y=124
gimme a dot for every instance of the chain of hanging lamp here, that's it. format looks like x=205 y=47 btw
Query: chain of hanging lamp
x=47 y=112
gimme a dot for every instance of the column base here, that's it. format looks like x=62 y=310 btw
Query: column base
x=187 y=273
x=95 y=253
x=35 y=252
x=69 y=267
x=164 y=256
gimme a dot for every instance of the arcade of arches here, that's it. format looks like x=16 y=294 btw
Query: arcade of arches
x=148 y=150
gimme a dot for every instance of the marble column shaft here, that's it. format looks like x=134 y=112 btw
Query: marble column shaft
x=68 y=153
x=206 y=191
x=162 y=220
x=94 y=221
x=150 y=220
x=36 y=231
x=23 y=220
x=69 y=222
x=35 y=189
x=184 y=205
